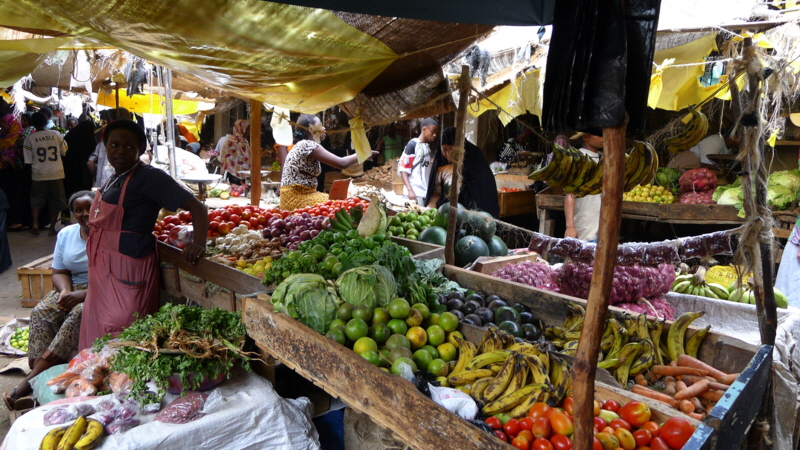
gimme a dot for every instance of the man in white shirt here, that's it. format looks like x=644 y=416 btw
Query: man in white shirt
x=415 y=163
x=43 y=150
x=583 y=214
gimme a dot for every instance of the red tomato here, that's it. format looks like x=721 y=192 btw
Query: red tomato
x=560 y=422
x=600 y=423
x=163 y=237
x=611 y=405
x=619 y=423
x=652 y=427
x=185 y=216
x=253 y=222
x=642 y=437
x=502 y=436
x=596 y=444
x=520 y=443
x=542 y=444
x=161 y=223
x=539 y=409
x=158 y=229
x=225 y=215
x=235 y=218
x=598 y=405
x=213 y=225
x=236 y=210
x=561 y=442
x=608 y=430
x=625 y=438
x=635 y=413
x=542 y=428
x=659 y=444
x=512 y=427
x=608 y=440
x=569 y=405
x=285 y=214
x=215 y=234
x=676 y=431
x=246 y=214
x=262 y=220
x=224 y=228
x=494 y=422
x=172 y=219
x=526 y=434
x=526 y=423
x=169 y=226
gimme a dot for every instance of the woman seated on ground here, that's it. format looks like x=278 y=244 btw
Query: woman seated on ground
x=478 y=187
x=302 y=165
x=56 y=320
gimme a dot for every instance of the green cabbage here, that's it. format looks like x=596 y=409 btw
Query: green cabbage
x=728 y=195
x=667 y=177
x=789 y=179
x=780 y=197
x=372 y=285
x=308 y=298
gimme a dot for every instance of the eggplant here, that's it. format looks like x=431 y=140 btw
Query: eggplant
x=506 y=314
x=492 y=298
x=490 y=325
x=455 y=295
x=475 y=319
x=470 y=307
x=485 y=314
x=493 y=305
x=526 y=317
x=454 y=305
x=531 y=332
x=477 y=298
x=458 y=313
x=469 y=321
x=442 y=299
x=520 y=307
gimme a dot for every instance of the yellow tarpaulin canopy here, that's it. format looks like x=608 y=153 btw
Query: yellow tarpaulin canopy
x=517 y=98
x=149 y=103
x=304 y=59
x=21 y=56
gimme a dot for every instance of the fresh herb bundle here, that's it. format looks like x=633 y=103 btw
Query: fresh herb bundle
x=201 y=342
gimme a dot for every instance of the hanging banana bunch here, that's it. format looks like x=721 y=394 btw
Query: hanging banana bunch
x=695 y=130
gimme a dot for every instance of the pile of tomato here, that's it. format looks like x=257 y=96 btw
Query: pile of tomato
x=616 y=427
x=329 y=208
x=505 y=189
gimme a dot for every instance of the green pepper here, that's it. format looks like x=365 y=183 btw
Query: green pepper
x=369 y=244
x=352 y=235
x=340 y=238
x=336 y=251
x=318 y=252
x=329 y=262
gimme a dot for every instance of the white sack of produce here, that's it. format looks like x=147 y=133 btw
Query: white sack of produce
x=252 y=416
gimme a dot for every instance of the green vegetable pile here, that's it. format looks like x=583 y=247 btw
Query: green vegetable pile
x=371 y=285
x=410 y=225
x=309 y=299
x=668 y=177
x=209 y=340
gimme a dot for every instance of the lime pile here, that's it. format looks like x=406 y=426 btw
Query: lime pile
x=19 y=339
x=649 y=194
x=399 y=334
x=410 y=225
x=256 y=269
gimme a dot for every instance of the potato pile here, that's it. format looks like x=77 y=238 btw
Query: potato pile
x=379 y=173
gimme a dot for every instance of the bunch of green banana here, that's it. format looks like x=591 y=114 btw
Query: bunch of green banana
x=641 y=165
x=695 y=130
x=676 y=337
x=695 y=284
x=83 y=434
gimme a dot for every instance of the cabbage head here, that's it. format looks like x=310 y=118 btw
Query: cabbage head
x=789 y=179
x=780 y=197
x=667 y=177
x=308 y=298
x=372 y=285
x=728 y=195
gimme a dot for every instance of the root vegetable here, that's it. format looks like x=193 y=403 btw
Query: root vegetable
x=718 y=386
x=696 y=416
x=696 y=389
x=640 y=380
x=676 y=371
x=688 y=361
x=655 y=395
x=669 y=385
x=714 y=396
x=686 y=406
x=728 y=379
x=698 y=407
x=680 y=385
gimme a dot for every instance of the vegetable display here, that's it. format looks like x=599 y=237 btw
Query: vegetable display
x=698 y=180
x=536 y=274
x=630 y=282
x=308 y=298
x=649 y=194
x=371 y=285
x=668 y=178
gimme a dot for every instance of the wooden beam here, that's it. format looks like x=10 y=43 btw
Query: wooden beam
x=255 y=152
x=464 y=85
x=583 y=371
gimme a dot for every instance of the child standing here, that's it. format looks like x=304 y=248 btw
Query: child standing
x=43 y=150
x=415 y=164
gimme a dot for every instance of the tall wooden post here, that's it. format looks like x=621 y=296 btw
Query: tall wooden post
x=583 y=370
x=464 y=86
x=255 y=152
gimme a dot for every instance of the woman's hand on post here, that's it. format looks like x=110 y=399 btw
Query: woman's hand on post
x=193 y=252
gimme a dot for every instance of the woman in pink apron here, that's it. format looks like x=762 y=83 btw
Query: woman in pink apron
x=123 y=264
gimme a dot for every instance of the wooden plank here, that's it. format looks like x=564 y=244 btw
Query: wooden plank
x=26 y=288
x=516 y=203
x=702 y=439
x=255 y=152
x=547 y=225
x=39 y=266
x=677 y=211
x=490 y=265
x=735 y=412
x=227 y=277
x=390 y=401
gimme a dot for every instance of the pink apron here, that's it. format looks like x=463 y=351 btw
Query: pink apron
x=119 y=286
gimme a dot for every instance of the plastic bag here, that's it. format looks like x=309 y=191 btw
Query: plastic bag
x=454 y=401
x=107 y=405
x=80 y=388
x=127 y=412
x=58 y=416
x=567 y=248
x=183 y=409
x=121 y=426
x=698 y=180
x=540 y=243
x=94 y=374
x=60 y=383
x=120 y=383
x=105 y=417
x=706 y=245
x=81 y=409
x=181 y=236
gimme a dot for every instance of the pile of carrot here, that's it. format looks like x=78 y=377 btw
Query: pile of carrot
x=691 y=385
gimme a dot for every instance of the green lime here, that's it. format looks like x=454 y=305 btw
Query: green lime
x=372 y=356
x=345 y=311
x=337 y=335
x=399 y=308
x=363 y=312
x=404 y=366
x=365 y=344
x=422 y=358
x=380 y=332
x=356 y=329
x=432 y=350
x=397 y=340
x=381 y=315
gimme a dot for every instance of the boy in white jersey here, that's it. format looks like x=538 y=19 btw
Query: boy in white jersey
x=43 y=150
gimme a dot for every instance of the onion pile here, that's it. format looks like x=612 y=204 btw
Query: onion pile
x=655 y=307
x=697 y=198
x=630 y=282
x=698 y=180
x=538 y=275
x=295 y=229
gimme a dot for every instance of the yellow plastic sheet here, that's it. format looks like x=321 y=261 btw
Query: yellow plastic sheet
x=517 y=98
x=20 y=57
x=149 y=103
x=358 y=136
x=304 y=59
x=657 y=83
x=680 y=85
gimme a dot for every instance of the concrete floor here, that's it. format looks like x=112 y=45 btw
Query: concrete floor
x=24 y=249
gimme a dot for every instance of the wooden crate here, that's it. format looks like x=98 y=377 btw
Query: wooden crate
x=710 y=214
x=515 y=203
x=492 y=264
x=36 y=279
x=421 y=250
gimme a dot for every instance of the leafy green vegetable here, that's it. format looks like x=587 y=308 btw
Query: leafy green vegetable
x=667 y=177
x=789 y=179
x=214 y=193
x=780 y=197
x=427 y=283
x=371 y=285
x=728 y=195
x=211 y=339
x=308 y=298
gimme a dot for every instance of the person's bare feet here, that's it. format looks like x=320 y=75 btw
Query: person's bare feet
x=35 y=231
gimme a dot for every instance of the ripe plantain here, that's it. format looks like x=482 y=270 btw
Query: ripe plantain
x=694 y=131
x=94 y=431
x=595 y=184
x=567 y=160
x=550 y=169
x=476 y=391
x=466 y=377
x=509 y=401
x=539 y=372
x=633 y=161
x=607 y=340
x=610 y=364
x=695 y=340
x=73 y=434
x=52 y=438
x=629 y=353
x=646 y=358
x=653 y=167
x=560 y=378
x=536 y=396
x=525 y=348
x=501 y=381
x=675 y=337
x=486 y=359
x=642 y=168
x=520 y=377
x=655 y=337
x=466 y=351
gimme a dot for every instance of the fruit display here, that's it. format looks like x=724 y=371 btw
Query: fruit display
x=411 y=225
x=506 y=189
x=649 y=194
x=83 y=434
x=667 y=177
x=581 y=175
x=695 y=130
x=19 y=339
x=483 y=310
x=255 y=269
x=330 y=207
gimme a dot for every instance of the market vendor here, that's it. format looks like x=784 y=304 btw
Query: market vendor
x=235 y=153
x=56 y=319
x=697 y=156
x=123 y=265
x=478 y=187
x=583 y=214
x=302 y=165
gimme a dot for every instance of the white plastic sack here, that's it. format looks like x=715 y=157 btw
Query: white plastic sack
x=454 y=401
x=251 y=415
x=7 y=331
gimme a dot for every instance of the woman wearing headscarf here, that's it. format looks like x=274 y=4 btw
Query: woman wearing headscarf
x=12 y=170
x=478 y=188
x=235 y=154
x=81 y=142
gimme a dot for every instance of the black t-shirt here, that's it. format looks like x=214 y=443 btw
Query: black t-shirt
x=149 y=190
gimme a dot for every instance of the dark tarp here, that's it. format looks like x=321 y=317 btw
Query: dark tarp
x=497 y=12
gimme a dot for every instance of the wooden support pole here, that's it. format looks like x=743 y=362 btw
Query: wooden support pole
x=255 y=152
x=583 y=370
x=116 y=98
x=464 y=85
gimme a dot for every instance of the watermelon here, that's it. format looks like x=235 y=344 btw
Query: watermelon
x=497 y=247
x=468 y=249
x=484 y=225
x=434 y=235
x=441 y=217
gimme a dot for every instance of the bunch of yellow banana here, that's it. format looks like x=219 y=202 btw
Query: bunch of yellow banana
x=641 y=165
x=83 y=434
x=695 y=284
x=695 y=130
x=677 y=344
x=505 y=376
